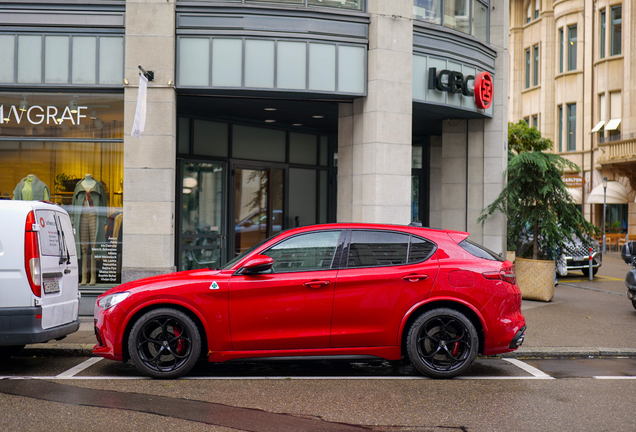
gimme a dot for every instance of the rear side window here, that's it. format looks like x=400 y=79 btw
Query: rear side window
x=384 y=248
x=49 y=232
x=479 y=251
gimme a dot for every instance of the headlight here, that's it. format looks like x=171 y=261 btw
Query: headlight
x=111 y=300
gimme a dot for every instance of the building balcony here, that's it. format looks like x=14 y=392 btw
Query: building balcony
x=617 y=148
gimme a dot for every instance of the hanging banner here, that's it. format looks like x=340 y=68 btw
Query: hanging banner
x=140 y=113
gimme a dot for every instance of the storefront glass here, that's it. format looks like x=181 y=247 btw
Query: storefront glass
x=68 y=149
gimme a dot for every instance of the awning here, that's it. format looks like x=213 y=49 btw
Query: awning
x=576 y=195
x=616 y=194
x=613 y=124
x=598 y=126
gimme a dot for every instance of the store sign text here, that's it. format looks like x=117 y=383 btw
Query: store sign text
x=455 y=82
x=37 y=115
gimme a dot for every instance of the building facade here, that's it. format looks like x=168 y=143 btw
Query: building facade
x=261 y=116
x=572 y=78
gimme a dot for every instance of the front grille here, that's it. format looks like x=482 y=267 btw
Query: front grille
x=579 y=250
x=99 y=339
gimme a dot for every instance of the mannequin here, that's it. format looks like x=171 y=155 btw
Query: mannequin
x=89 y=199
x=31 y=188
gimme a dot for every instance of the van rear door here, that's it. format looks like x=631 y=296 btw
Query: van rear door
x=58 y=261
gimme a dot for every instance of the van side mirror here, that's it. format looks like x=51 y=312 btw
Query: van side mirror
x=257 y=264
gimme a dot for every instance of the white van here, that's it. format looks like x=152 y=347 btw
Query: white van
x=39 y=297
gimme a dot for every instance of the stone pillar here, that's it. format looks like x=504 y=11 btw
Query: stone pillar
x=374 y=133
x=435 y=189
x=496 y=129
x=149 y=163
x=454 y=173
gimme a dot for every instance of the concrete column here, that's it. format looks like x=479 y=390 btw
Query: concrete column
x=149 y=163
x=435 y=190
x=454 y=173
x=374 y=133
x=496 y=129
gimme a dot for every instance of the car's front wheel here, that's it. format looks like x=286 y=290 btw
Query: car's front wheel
x=164 y=343
x=442 y=343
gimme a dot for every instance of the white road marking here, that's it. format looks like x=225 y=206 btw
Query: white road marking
x=530 y=369
x=80 y=367
x=615 y=377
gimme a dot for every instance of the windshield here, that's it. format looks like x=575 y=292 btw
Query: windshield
x=242 y=255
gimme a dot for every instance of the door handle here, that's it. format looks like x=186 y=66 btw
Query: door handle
x=67 y=271
x=316 y=284
x=414 y=277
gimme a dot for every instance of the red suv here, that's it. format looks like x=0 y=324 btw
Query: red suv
x=396 y=292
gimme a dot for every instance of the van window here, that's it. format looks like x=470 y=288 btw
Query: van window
x=49 y=236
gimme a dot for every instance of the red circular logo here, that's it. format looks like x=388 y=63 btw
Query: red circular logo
x=42 y=222
x=483 y=90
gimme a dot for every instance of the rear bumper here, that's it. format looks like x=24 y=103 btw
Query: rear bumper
x=21 y=326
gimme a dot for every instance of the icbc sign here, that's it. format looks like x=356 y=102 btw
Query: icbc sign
x=455 y=82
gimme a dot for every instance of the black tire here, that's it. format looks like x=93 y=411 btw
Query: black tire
x=10 y=351
x=430 y=337
x=166 y=331
x=634 y=303
x=586 y=271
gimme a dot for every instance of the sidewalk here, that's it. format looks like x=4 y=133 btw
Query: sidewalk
x=584 y=319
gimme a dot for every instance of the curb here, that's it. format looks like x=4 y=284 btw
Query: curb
x=58 y=350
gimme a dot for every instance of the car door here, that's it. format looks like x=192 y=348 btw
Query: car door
x=290 y=307
x=386 y=273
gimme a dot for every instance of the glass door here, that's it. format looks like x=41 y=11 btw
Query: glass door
x=258 y=205
x=202 y=214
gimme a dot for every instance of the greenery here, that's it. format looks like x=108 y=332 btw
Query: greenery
x=535 y=195
x=65 y=183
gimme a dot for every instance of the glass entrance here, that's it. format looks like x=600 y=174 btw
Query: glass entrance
x=258 y=205
x=202 y=211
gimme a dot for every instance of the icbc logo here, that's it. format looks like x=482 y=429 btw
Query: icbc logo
x=42 y=222
x=483 y=90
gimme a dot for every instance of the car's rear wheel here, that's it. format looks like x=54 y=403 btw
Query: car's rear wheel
x=586 y=271
x=164 y=343
x=9 y=351
x=442 y=343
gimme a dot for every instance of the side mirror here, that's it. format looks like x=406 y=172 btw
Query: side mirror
x=258 y=264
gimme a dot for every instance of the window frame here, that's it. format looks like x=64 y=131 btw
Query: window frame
x=560 y=109
x=535 y=65
x=603 y=29
x=571 y=126
x=527 y=68
x=616 y=22
x=561 y=41
x=535 y=121
x=572 y=47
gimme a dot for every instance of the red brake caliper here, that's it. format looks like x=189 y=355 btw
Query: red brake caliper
x=455 y=349
x=180 y=347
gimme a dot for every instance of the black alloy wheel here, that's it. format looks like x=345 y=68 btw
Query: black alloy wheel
x=164 y=343
x=442 y=343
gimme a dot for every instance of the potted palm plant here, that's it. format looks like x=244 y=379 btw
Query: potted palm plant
x=538 y=207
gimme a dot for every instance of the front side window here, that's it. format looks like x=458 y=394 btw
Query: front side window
x=571 y=129
x=602 y=38
x=535 y=77
x=572 y=48
x=305 y=252
x=617 y=29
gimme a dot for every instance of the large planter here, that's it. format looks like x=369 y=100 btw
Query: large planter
x=535 y=278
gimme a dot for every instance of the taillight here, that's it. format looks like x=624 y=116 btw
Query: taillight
x=507 y=275
x=32 y=255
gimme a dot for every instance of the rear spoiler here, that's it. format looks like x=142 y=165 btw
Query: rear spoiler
x=458 y=236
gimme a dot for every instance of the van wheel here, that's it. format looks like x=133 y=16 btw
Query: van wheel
x=164 y=343
x=9 y=351
x=442 y=343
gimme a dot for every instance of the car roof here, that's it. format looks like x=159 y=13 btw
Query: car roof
x=416 y=230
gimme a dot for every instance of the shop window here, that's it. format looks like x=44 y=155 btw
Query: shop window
x=351 y=61
x=210 y=138
x=457 y=15
x=617 y=28
x=7 y=54
x=194 y=61
x=227 y=62
x=602 y=35
x=259 y=63
x=56 y=54
x=341 y=4
x=83 y=174
x=302 y=197
x=258 y=143
x=428 y=10
x=535 y=65
x=322 y=63
x=572 y=46
x=111 y=72
x=291 y=70
x=571 y=127
x=29 y=59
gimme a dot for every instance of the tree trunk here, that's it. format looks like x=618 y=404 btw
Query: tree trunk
x=535 y=241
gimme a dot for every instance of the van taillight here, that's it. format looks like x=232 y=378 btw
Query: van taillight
x=32 y=255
